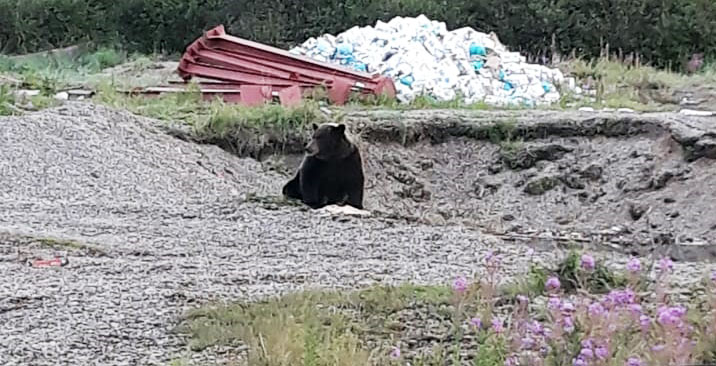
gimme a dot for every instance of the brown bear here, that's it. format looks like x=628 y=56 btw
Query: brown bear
x=331 y=172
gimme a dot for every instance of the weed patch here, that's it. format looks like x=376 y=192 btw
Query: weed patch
x=577 y=313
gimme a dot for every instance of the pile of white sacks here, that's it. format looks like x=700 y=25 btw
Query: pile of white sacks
x=422 y=57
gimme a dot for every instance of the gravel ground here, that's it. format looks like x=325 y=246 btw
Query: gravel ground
x=168 y=226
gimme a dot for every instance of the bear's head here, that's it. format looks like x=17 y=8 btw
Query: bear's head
x=329 y=141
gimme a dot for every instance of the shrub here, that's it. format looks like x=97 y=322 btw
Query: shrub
x=661 y=31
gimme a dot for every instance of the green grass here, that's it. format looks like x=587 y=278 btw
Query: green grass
x=49 y=73
x=621 y=84
x=314 y=327
x=53 y=243
x=7 y=101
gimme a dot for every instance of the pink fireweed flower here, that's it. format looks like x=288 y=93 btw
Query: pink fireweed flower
x=671 y=316
x=527 y=342
x=395 y=353
x=634 y=265
x=567 y=307
x=497 y=325
x=552 y=283
x=586 y=353
x=536 y=328
x=491 y=258
x=554 y=303
x=587 y=343
x=587 y=262
x=596 y=310
x=635 y=309
x=601 y=352
x=665 y=264
x=568 y=325
x=460 y=285
x=476 y=322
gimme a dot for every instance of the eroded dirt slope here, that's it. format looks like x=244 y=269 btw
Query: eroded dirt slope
x=644 y=182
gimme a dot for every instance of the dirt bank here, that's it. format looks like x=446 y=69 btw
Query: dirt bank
x=638 y=182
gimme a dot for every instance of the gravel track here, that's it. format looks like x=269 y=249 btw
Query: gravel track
x=168 y=226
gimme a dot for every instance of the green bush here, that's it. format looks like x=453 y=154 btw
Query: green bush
x=664 y=32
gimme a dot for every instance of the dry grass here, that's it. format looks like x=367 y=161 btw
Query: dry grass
x=624 y=84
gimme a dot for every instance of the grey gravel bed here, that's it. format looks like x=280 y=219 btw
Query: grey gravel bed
x=173 y=232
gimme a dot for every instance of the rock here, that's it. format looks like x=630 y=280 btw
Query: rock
x=573 y=181
x=637 y=210
x=540 y=185
x=495 y=168
x=592 y=172
x=527 y=156
x=508 y=217
x=661 y=179
x=669 y=200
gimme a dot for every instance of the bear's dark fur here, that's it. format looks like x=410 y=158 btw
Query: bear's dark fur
x=331 y=172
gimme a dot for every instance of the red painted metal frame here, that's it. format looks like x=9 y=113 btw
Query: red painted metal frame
x=258 y=72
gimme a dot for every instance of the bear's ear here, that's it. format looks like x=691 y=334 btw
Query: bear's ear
x=341 y=128
x=314 y=126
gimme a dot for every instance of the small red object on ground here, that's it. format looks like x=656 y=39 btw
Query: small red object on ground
x=55 y=262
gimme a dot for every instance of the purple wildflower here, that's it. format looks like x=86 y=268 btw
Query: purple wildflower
x=536 y=328
x=596 y=309
x=587 y=262
x=620 y=297
x=645 y=321
x=568 y=325
x=496 y=325
x=665 y=264
x=671 y=315
x=523 y=299
x=658 y=348
x=713 y=277
x=554 y=303
x=579 y=362
x=530 y=252
x=491 y=258
x=527 y=342
x=476 y=322
x=567 y=307
x=634 y=265
x=511 y=361
x=635 y=309
x=601 y=352
x=552 y=283
x=633 y=361
x=460 y=285
x=395 y=353
x=586 y=353
x=587 y=343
